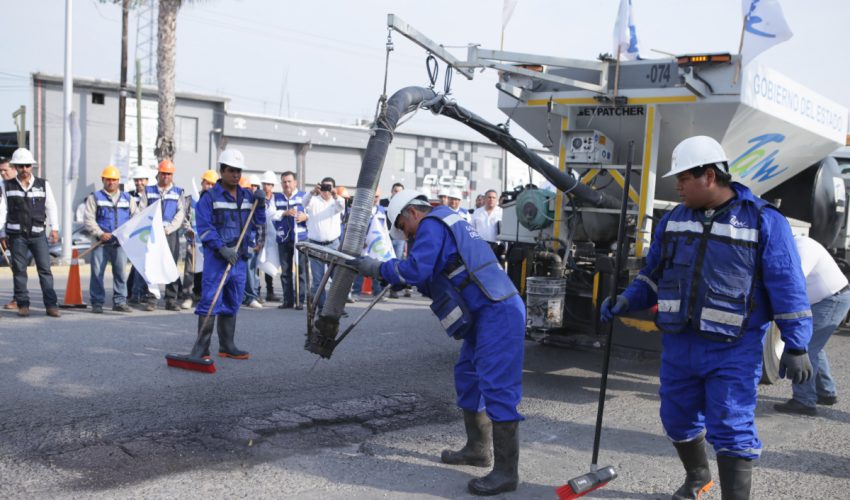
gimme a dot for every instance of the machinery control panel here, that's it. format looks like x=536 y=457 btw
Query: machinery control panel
x=588 y=146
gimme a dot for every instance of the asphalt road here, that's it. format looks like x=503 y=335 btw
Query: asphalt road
x=88 y=409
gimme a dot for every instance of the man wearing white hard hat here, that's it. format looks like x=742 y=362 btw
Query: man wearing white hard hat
x=28 y=213
x=475 y=302
x=269 y=182
x=221 y=215
x=455 y=197
x=721 y=266
x=137 y=289
x=443 y=195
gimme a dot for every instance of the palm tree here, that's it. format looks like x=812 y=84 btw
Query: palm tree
x=166 y=52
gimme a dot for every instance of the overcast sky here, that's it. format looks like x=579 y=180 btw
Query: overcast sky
x=324 y=59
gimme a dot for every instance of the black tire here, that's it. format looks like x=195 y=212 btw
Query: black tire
x=773 y=347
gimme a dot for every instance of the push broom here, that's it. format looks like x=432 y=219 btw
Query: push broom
x=200 y=364
x=601 y=476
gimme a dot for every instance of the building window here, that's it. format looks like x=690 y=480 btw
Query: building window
x=492 y=168
x=97 y=98
x=406 y=160
x=186 y=134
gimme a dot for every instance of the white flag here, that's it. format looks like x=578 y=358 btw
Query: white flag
x=378 y=243
x=143 y=240
x=269 y=260
x=507 y=11
x=764 y=27
x=625 y=34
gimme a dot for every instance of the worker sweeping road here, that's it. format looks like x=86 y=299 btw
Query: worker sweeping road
x=221 y=214
x=483 y=309
x=721 y=266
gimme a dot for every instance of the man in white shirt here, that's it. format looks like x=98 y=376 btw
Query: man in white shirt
x=829 y=295
x=324 y=210
x=486 y=220
x=27 y=213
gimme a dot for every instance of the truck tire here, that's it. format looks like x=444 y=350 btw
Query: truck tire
x=773 y=348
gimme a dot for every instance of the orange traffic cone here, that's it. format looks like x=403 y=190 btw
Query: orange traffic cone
x=73 y=292
x=367 y=286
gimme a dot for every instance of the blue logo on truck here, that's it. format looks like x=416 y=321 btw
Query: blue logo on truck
x=756 y=163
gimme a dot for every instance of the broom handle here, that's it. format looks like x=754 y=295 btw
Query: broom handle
x=619 y=256
x=227 y=269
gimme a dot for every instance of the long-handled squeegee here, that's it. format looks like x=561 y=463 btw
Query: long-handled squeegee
x=599 y=477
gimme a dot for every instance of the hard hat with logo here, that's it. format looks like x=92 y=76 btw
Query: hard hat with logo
x=398 y=203
x=343 y=192
x=244 y=182
x=254 y=180
x=210 y=176
x=232 y=158
x=166 y=167
x=110 y=172
x=697 y=151
x=269 y=177
x=22 y=156
x=455 y=193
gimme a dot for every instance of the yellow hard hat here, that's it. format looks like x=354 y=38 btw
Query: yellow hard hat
x=244 y=182
x=111 y=172
x=166 y=167
x=210 y=176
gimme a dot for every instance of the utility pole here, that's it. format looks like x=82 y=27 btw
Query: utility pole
x=139 y=112
x=67 y=185
x=122 y=91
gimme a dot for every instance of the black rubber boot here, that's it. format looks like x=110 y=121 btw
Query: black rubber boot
x=226 y=331
x=479 y=439
x=697 y=474
x=736 y=477
x=201 y=348
x=505 y=474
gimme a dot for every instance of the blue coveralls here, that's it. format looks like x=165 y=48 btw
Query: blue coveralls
x=719 y=277
x=220 y=219
x=488 y=373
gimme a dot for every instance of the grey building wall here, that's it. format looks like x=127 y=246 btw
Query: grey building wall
x=314 y=150
x=98 y=127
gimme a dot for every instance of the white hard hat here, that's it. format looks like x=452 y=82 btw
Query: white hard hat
x=22 y=156
x=443 y=192
x=232 y=158
x=254 y=180
x=697 y=151
x=455 y=193
x=140 y=173
x=269 y=177
x=397 y=204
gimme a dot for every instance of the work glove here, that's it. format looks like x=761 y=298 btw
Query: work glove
x=368 y=266
x=260 y=197
x=609 y=310
x=795 y=366
x=229 y=254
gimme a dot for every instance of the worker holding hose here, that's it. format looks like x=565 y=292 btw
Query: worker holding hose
x=721 y=266
x=220 y=216
x=475 y=302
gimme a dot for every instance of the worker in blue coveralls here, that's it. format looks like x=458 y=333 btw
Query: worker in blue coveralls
x=220 y=217
x=721 y=266
x=481 y=308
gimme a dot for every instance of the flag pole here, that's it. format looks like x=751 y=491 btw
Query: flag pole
x=740 y=48
x=617 y=73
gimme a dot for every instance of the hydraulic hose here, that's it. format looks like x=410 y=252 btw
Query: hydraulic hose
x=322 y=339
x=561 y=180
